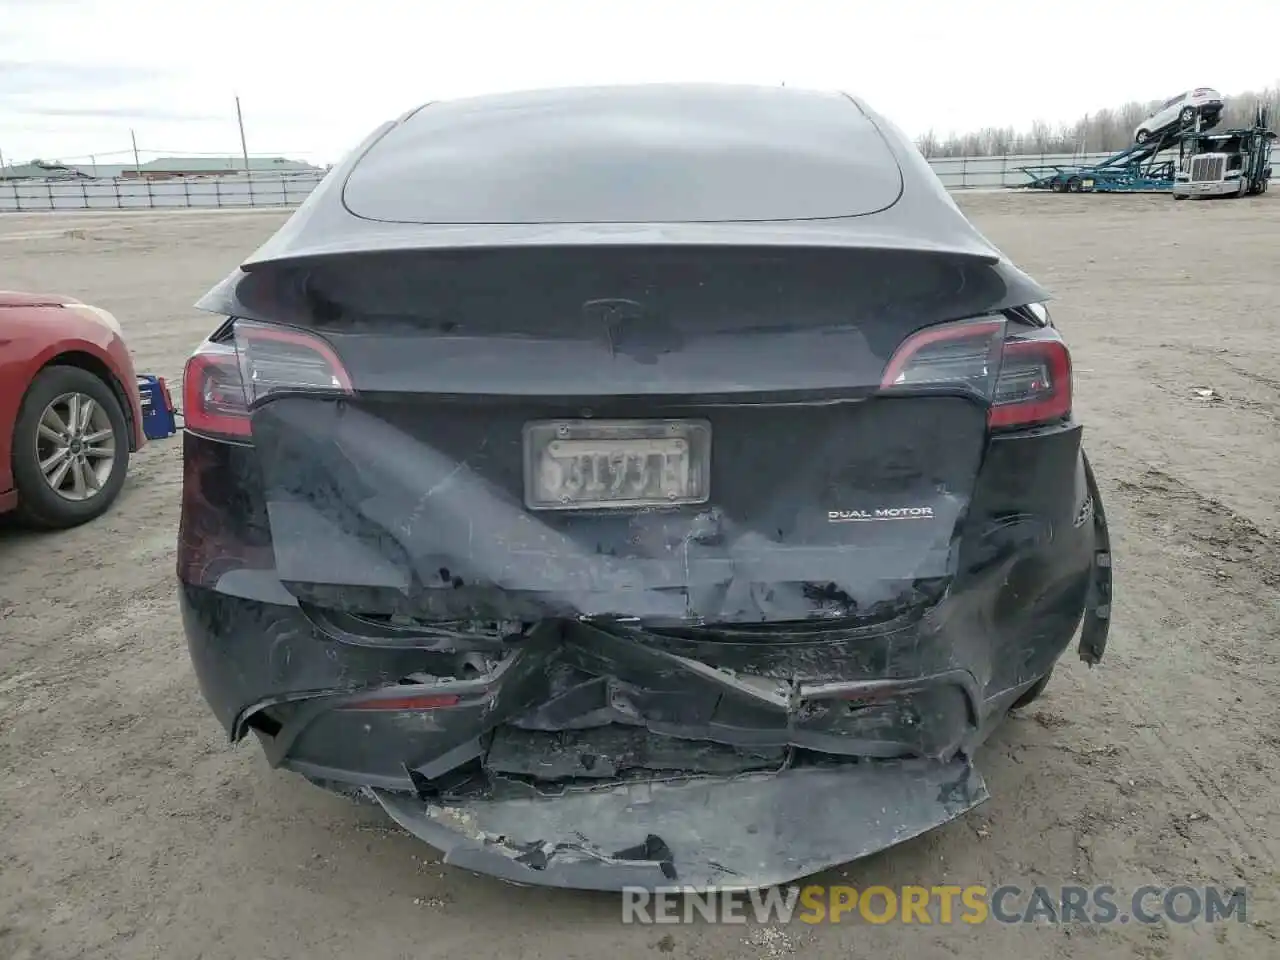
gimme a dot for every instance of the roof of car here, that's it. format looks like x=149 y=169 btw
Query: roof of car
x=658 y=164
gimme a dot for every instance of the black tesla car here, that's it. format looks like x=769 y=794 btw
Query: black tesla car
x=636 y=486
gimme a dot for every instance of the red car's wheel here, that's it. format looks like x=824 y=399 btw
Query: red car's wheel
x=70 y=448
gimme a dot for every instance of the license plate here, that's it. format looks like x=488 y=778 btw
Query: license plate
x=609 y=464
x=1087 y=184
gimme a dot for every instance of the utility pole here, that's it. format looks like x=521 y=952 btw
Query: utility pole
x=137 y=167
x=244 y=149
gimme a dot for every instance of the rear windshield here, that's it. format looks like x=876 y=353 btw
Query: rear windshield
x=636 y=156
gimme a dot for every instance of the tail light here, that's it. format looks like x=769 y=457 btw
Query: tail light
x=1025 y=379
x=224 y=381
x=1034 y=385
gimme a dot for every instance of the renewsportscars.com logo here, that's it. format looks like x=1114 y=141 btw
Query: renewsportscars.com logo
x=942 y=905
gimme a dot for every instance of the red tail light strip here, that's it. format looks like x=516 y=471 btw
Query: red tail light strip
x=422 y=701
x=215 y=401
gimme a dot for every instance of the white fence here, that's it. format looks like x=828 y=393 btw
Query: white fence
x=258 y=190
x=289 y=190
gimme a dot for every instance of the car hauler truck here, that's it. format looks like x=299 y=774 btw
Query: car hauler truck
x=1225 y=163
x=1185 y=162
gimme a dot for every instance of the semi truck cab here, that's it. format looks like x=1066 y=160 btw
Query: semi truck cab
x=1226 y=163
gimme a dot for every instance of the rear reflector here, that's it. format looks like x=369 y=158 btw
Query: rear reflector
x=1026 y=380
x=425 y=701
x=223 y=381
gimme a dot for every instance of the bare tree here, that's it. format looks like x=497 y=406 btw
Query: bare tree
x=928 y=143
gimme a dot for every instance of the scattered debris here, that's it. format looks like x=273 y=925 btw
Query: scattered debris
x=773 y=942
x=983 y=833
x=1050 y=721
x=1182 y=823
x=1208 y=393
x=666 y=944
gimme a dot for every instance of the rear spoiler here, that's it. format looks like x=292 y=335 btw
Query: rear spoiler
x=365 y=237
x=925 y=220
x=292 y=290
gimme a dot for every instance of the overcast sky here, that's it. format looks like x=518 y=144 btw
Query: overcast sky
x=315 y=76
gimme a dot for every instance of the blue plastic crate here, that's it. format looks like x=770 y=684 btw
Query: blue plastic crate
x=158 y=420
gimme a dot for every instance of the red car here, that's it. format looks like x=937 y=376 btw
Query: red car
x=69 y=409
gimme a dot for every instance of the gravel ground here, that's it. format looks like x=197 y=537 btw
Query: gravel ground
x=129 y=828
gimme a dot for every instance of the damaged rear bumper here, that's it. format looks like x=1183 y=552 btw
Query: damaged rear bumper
x=576 y=701
x=600 y=756
x=701 y=835
x=603 y=753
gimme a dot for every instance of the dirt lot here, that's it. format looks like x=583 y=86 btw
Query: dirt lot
x=129 y=828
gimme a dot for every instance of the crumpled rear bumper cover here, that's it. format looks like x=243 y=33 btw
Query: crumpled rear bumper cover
x=871 y=762
x=702 y=835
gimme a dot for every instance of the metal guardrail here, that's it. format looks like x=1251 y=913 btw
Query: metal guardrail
x=289 y=190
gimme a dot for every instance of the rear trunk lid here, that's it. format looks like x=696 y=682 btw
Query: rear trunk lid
x=434 y=489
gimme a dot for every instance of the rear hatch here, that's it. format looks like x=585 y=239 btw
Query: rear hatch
x=676 y=436
x=658 y=529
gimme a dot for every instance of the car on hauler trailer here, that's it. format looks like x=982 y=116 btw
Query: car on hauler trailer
x=636 y=486
x=1203 y=104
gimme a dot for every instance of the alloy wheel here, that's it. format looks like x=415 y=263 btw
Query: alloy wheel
x=75 y=446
